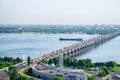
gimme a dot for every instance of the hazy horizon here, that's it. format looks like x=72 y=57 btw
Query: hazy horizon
x=59 y=12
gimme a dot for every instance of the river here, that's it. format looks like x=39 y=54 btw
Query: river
x=35 y=44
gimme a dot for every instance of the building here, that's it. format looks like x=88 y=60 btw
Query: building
x=49 y=74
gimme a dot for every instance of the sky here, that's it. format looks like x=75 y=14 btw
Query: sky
x=59 y=11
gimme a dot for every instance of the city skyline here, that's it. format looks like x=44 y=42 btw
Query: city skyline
x=59 y=12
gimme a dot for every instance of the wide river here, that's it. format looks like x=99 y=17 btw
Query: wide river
x=34 y=44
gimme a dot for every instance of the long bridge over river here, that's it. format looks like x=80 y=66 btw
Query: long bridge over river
x=73 y=50
x=82 y=47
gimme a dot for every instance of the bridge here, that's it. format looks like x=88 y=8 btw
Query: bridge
x=82 y=47
x=70 y=51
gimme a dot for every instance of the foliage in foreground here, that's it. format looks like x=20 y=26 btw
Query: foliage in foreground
x=57 y=78
x=104 y=72
x=13 y=74
x=8 y=61
x=90 y=78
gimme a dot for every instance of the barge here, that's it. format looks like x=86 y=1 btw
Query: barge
x=70 y=39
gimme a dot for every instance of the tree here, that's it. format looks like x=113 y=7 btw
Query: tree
x=8 y=61
x=100 y=64
x=67 y=61
x=13 y=73
x=50 y=61
x=103 y=73
x=106 y=70
x=88 y=63
x=13 y=70
x=111 y=64
x=100 y=74
x=90 y=78
x=5 y=58
x=44 y=61
x=29 y=60
x=83 y=64
x=55 y=60
x=18 y=60
x=75 y=62
x=80 y=63
x=57 y=78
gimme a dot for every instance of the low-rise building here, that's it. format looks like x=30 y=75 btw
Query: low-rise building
x=67 y=74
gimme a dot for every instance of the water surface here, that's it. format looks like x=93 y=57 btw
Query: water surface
x=34 y=45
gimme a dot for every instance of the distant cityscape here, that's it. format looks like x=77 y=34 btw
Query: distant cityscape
x=54 y=29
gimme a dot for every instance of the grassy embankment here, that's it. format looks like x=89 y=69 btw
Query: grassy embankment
x=24 y=72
